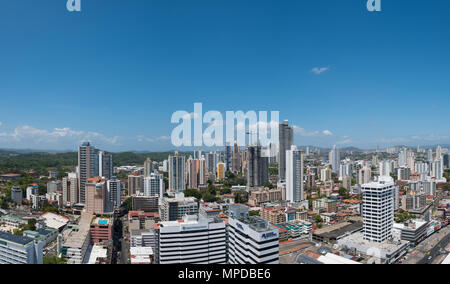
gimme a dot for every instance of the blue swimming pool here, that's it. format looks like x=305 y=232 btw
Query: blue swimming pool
x=103 y=222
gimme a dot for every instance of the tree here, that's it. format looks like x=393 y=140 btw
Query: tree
x=128 y=203
x=317 y=218
x=190 y=192
x=54 y=260
x=268 y=185
x=344 y=192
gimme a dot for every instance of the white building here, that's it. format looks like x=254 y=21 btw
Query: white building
x=378 y=209
x=192 y=241
x=334 y=159
x=20 y=250
x=177 y=173
x=294 y=174
x=154 y=185
x=251 y=239
x=114 y=189
x=365 y=175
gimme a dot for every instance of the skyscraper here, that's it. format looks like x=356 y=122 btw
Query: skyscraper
x=147 y=167
x=365 y=175
x=378 y=209
x=86 y=168
x=252 y=239
x=227 y=153
x=438 y=152
x=105 y=167
x=114 y=189
x=294 y=174
x=335 y=159
x=236 y=165
x=192 y=173
x=96 y=198
x=154 y=185
x=286 y=140
x=220 y=171
x=70 y=189
x=257 y=167
x=135 y=184
x=176 y=173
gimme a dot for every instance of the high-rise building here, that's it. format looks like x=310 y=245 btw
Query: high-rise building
x=154 y=185
x=438 y=152
x=286 y=140
x=446 y=160
x=177 y=173
x=378 y=209
x=17 y=195
x=227 y=158
x=345 y=169
x=86 y=168
x=403 y=173
x=202 y=172
x=20 y=250
x=135 y=184
x=31 y=190
x=236 y=165
x=251 y=239
x=334 y=158
x=294 y=174
x=438 y=169
x=325 y=174
x=147 y=167
x=70 y=189
x=195 y=240
x=385 y=168
x=365 y=175
x=257 y=167
x=105 y=165
x=430 y=155
x=192 y=173
x=173 y=209
x=96 y=196
x=114 y=189
x=221 y=171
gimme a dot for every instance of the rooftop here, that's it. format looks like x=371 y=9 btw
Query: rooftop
x=15 y=239
x=338 y=230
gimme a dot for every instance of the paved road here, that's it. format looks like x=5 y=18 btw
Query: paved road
x=436 y=251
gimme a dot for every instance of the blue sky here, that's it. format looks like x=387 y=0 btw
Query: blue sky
x=115 y=72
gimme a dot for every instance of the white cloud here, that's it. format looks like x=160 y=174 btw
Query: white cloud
x=303 y=132
x=319 y=70
x=142 y=138
x=344 y=142
x=31 y=137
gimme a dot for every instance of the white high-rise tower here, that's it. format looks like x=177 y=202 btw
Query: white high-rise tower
x=294 y=174
x=378 y=209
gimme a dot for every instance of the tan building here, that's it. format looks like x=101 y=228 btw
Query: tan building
x=220 y=171
x=264 y=195
x=135 y=184
x=273 y=214
x=96 y=195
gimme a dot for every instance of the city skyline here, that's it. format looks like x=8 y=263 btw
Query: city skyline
x=340 y=75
